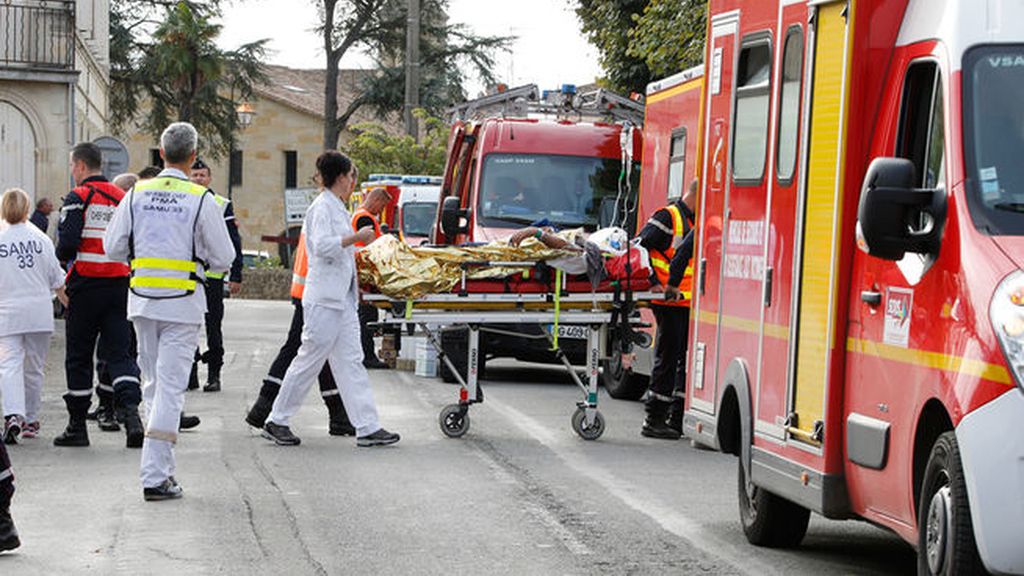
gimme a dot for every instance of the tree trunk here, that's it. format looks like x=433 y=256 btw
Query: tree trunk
x=331 y=130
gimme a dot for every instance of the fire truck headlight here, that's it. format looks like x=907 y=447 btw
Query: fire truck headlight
x=1007 y=314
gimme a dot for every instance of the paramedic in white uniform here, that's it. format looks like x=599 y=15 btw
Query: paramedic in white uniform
x=29 y=274
x=329 y=306
x=171 y=232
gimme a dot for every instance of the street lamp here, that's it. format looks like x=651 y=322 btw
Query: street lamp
x=245 y=113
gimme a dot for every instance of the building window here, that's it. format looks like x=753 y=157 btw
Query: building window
x=291 y=169
x=235 y=168
x=789 y=103
x=753 y=93
x=677 y=164
x=155 y=159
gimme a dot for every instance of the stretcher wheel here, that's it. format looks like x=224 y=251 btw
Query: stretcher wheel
x=579 y=424
x=454 y=420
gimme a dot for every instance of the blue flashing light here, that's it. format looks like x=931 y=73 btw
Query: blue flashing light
x=568 y=89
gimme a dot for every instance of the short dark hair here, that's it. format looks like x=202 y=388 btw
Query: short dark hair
x=200 y=165
x=88 y=154
x=41 y=201
x=149 y=172
x=332 y=164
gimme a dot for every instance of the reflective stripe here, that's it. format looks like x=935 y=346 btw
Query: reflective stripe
x=170 y=184
x=659 y=226
x=215 y=275
x=164 y=264
x=272 y=379
x=95 y=258
x=329 y=393
x=71 y=207
x=296 y=279
x=661 y=397
x=105 y=387
x=126 y=379
x=157 y=282
x=92 y=232
x=659 y=263
x=79 y=392
x=6 y=474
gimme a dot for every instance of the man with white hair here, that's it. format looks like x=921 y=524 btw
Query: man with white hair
x=170 y=231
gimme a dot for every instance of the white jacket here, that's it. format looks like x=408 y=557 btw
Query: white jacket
x=29 y=273
x=331 y=280
x=212 y=243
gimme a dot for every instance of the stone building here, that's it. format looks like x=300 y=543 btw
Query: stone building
x=278 y=150
x=54 y=83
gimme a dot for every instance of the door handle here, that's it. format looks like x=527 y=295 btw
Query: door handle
x=871 y=297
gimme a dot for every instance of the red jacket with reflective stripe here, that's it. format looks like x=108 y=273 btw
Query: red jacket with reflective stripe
x=99 y=201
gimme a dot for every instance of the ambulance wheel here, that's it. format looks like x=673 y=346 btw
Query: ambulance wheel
x=946 y=536
x=769 y=520
x=454 y=421
x=621 y=383
x=579 y=425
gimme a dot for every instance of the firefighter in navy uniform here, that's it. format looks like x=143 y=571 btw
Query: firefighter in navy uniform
x=368 y=215
x=97 y=289
x=663 y=236
x=214 y=355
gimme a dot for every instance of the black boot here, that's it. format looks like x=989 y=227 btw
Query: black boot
x=675 y=415
x=106 y=418
x=260 y=410
x=212 y=379
x=133 y=429
x=187 y=422
x=339 y=424
x=8 y=533
x=654 y=424
x=74 y=435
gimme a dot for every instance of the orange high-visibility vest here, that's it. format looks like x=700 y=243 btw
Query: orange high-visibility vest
x=300 y=269
x=361 y=212
x=661 y=260
x=99 y=201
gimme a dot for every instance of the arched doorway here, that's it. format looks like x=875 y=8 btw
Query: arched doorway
x=17 y=150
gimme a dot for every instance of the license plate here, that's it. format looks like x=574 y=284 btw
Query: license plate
x=570 y=332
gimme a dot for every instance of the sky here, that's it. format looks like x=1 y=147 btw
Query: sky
x=549 y=50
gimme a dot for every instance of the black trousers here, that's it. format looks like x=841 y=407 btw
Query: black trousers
x=367 y=315
x=668 y=377
x=214 y=355
x=6 y=478
x=285 y=356
x=97 y=323
x=105 y=384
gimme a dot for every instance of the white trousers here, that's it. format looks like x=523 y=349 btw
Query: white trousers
x=22 y=358
x=165 y=357
x=329 y=334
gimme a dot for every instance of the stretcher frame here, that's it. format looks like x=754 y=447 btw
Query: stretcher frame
x=598 y=311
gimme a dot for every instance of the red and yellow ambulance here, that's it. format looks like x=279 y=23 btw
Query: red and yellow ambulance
x=858 y=318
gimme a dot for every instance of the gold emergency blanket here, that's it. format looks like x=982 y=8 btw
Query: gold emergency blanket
x=400 y=271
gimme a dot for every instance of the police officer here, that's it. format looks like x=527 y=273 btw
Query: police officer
x=339 y=424
x=170 y=231
x=97 y=288
x=662 y=236
x=367 y=216
x=214 y=356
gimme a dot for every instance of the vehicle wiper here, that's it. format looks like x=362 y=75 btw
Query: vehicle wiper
x=514 y=220
x=1010 y=206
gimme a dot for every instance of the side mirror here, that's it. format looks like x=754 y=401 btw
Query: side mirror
x=893 y=217
x=454 y=220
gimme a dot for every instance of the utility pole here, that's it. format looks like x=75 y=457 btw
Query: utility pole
x=412 y=67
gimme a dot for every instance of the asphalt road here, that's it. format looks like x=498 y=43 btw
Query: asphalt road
x=519 y=494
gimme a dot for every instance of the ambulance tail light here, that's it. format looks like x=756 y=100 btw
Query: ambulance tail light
x=1007 y=314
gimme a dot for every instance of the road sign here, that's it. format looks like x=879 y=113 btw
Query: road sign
x=115 y=156
x=296 y=202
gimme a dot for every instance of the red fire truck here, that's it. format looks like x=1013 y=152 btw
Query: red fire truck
x=882 y=383
x=522 y=157
x=669 y=164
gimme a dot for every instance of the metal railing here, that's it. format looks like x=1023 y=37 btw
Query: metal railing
x=37 y=34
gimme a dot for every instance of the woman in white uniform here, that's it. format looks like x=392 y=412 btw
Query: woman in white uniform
x=329 y=306
x=29 y=274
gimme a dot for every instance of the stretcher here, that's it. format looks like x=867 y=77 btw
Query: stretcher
x=478 y=306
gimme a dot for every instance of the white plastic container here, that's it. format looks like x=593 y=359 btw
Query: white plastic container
x=426 y=359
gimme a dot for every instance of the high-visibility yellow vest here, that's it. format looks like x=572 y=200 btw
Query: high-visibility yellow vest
x=163 y=260
x=661 y=260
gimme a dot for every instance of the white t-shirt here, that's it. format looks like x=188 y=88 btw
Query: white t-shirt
x=29 y=273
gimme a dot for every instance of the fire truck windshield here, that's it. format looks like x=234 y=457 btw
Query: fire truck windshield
x=567 y=191
x=993 y=81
